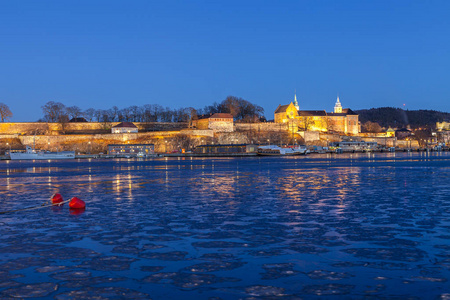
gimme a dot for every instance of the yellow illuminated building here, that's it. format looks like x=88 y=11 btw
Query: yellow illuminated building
x=340 y=120
x=390 y=132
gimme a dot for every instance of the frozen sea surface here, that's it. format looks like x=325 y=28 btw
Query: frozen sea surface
x=347 y=226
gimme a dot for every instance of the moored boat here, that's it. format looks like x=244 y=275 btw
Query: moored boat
x=31 y=154
x=273 y=150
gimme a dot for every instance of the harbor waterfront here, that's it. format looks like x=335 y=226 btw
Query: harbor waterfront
x=353 y=225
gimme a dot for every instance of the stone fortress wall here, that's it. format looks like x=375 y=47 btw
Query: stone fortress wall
x=56 y=128
x=266 y=126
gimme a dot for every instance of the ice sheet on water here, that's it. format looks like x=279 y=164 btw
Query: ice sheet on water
x=213 y=266
x=31 y=290
x=328 y=275
x=328 y=289
x=71 y=275
x=14 y=247
x=152 y=269
x=109 y=263
x=396 y=254
x=275 y=271
x=50 y=269
x=126 y=249
x=220 y=244
x=23 y=263
x=152 y=247
x=68 y=253
x=171 y=255
x=90 y=281
x=187 y=280
x=218 y=256
x=103 y=293
x=5 y=275
x=268 y=252
x=265 y=291
x=9 y=283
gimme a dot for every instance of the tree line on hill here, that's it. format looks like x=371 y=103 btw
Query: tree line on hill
x=242 y=110
x=374 y=119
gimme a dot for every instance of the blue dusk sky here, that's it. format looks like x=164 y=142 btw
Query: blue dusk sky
x=193 y=53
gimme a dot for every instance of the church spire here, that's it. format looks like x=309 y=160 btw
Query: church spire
x=338 y=106
x=295 y=101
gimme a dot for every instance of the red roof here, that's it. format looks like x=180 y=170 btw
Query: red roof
x=126 y=125
x=221 y=115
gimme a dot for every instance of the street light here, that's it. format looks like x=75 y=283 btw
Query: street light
x=7 y=144
x=165 y=146
x=89 y=147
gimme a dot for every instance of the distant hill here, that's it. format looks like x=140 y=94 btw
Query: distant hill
x=397 y=117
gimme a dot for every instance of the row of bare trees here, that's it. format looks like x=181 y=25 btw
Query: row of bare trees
x=59 y=113
x=242 y=110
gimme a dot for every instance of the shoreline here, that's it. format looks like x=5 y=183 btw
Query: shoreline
x=250 y=154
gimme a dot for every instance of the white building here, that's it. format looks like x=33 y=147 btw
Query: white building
x=124 y=127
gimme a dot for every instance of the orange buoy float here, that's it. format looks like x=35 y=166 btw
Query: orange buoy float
x=57 y=199
x=76 y=202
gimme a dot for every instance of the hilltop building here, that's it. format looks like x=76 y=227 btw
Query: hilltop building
x=402 y=133
x=220 y=122
x=341 y=120
x=440 y=126
x=124 y=127
x=390 y=132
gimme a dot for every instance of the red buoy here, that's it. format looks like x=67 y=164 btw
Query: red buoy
x=76 y=202
x=57 y=199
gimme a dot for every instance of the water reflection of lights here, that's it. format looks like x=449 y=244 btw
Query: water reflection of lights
x=117 y=182
x=130 y=188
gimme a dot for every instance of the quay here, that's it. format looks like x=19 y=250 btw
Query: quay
x=312 y=149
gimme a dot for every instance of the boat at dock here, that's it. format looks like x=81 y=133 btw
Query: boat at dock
x=31 y=154
x=273 y=150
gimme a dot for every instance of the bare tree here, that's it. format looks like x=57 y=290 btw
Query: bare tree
x=89 y=114
x=63 y=119
x=306 y=122
x=231 y=105
x=372 y=127
x=53 y=111
x=5 y=113
x=135 y=113
x=422 y=137
x=125 y=114
x=113 y=113
x=74 y=112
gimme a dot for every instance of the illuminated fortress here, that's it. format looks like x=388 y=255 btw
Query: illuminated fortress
x=340 y=121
